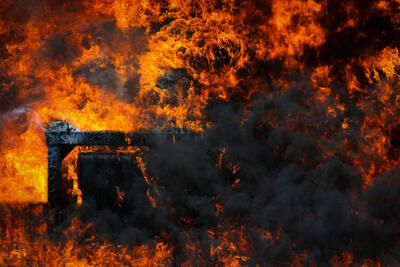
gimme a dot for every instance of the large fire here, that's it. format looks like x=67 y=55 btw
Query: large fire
x=305 y=93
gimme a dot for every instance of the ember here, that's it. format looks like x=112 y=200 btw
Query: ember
x=199 y=133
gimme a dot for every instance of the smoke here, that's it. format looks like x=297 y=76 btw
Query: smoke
x=273 y=178
x=300 y=151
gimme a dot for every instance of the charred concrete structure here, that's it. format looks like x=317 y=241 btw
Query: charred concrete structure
x=62 y=137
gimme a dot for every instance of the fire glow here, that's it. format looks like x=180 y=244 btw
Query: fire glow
x=299 y=98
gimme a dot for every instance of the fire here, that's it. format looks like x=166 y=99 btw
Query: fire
x=297 y=25
x=312 y=84
x=24 y=178
x=17 y=249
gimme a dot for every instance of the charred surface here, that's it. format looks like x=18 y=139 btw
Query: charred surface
x=62 y=137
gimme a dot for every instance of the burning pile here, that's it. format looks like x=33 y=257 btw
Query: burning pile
x=298 y=100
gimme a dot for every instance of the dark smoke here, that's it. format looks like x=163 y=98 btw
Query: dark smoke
x=286 y=183
x=284 y=167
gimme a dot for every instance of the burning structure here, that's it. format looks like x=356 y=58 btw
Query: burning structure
x=298 y=99
x=62 y=138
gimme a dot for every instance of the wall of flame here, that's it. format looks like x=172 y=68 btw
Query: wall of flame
x=327 y=72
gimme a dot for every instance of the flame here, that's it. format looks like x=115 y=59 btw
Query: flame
x=217 y=46
x=17 y=249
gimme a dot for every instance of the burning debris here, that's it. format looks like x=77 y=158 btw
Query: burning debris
x=61 y=127
x=298 y=102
